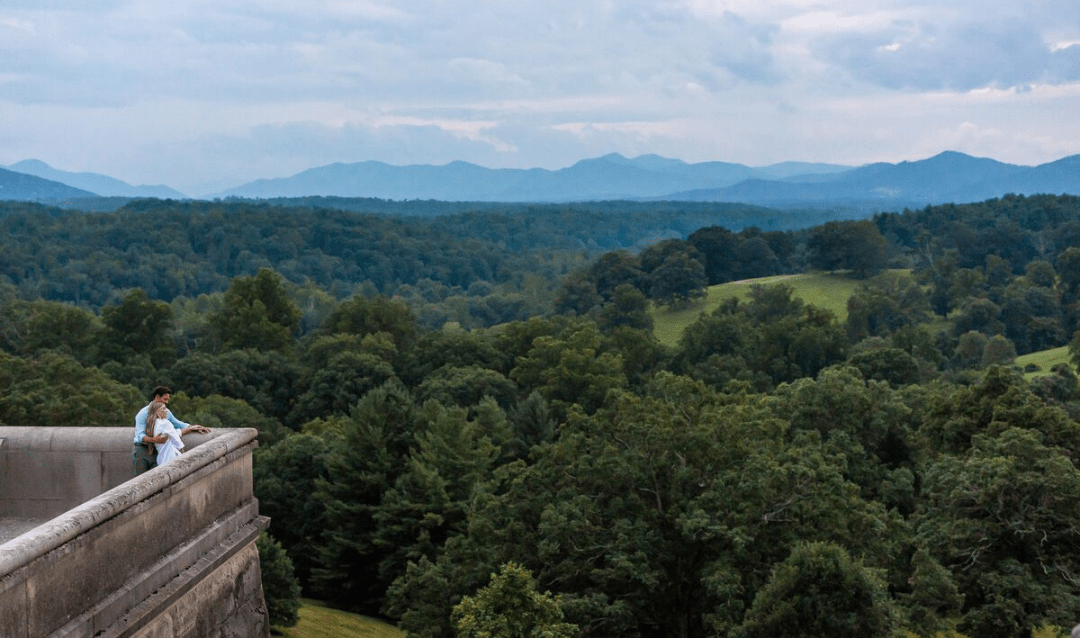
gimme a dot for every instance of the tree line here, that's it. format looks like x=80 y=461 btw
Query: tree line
x=778 y=472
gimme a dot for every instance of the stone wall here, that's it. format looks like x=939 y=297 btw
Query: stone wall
x=169 y=553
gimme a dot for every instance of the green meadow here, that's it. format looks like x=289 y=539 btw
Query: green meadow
x=824 y=290
x=1043 y=360
x=318 y=621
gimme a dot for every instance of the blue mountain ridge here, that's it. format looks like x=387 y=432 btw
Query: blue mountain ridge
x=946 y=177
x=609 y=177
x=23 y=187
x=94 y=183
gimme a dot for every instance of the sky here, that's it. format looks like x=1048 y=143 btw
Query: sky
x=204 y=95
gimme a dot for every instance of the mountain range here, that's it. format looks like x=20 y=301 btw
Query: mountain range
x=90 y=184
x=947 y=177
x=604 y=178
x=943 y=178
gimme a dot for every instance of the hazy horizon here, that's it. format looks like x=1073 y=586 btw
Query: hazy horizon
x=204 y=96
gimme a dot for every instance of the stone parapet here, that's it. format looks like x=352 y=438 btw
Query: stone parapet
x=168 y=553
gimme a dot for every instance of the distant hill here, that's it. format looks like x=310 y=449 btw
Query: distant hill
x=604 y=178
x=944 y=178
x=23 y=187
x=949 y=177
x=1055 y=178
x=93 y=182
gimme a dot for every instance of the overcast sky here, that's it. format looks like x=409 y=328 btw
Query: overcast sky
x=206 y=94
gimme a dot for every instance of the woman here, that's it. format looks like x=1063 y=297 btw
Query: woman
x=158 y=424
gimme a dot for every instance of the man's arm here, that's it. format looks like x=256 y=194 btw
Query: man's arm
x=185 y=428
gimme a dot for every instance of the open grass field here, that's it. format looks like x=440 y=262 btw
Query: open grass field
x=317 y=621
x=824 y=290
x=1044 y=359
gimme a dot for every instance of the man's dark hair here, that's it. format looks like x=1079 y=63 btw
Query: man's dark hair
x=160 y=390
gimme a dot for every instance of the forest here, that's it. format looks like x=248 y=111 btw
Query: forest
x=469 y=412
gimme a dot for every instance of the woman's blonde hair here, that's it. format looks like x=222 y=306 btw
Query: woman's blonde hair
x=152 y=417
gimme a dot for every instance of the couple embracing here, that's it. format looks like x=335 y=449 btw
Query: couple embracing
x=158 y=433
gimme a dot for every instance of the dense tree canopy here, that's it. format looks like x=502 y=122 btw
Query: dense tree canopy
x=472 y=432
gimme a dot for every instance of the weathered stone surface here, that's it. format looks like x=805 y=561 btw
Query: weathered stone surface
x=13 y=607
x=168 y=553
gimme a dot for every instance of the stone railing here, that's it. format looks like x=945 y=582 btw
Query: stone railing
x=90 y=551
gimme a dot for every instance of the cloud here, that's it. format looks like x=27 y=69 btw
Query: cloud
x=955 y=56
x=191 y=92
x=406 y=51
x=744 y=49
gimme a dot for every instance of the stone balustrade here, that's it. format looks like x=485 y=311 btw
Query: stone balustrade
x=88 y=551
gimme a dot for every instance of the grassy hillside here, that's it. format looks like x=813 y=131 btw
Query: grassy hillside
x=1044 y=360
x=317 y=621
x=820 y=289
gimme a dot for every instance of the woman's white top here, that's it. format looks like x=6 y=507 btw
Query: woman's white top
x=170 y=449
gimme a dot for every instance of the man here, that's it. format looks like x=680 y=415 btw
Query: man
x=143 y=456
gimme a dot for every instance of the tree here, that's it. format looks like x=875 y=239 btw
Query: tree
x=267 y=381
x=216 y=411
x=661 y=510
x=362 y=465
x=285 y=476
x=856 y=246
x=656 y=254
x=953 y=415
x=919 y=343
x=819 y=590
x=334 y=387
x=139 y=326
x=773 y=339
x=716 y=245
x=616 y=268
x=361 y=316
x=792 y=339
x=451 y=347
x=281 y=590
x=1032 y=316
x=256 y=313
x=934 y=597
x=577 y=294
x=969 y=350
x=893 y=365
x=627 y=307
x=754 y=257
x=979 y=315
x=51 y=325
x=998 y=351
x=1040 y=273
x=1068 y=269
x=865 y=421
x=429 y=500
x=885 y=304
x=466 y=386
x=571 y=368
x=678 y=280
x=511 y=607
x=1002 y=518
x=967 y=283
x=54 y=389
x=532 y=423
